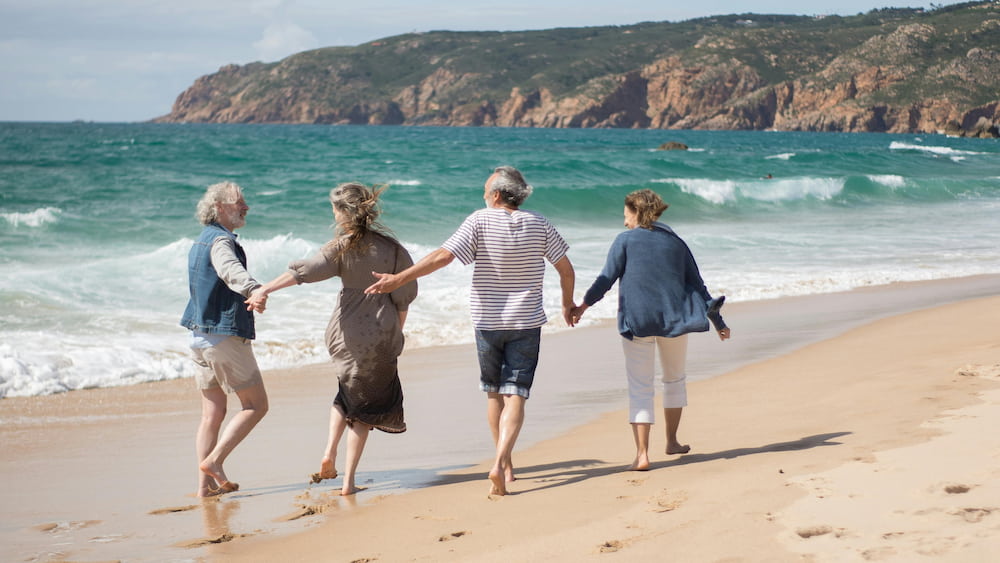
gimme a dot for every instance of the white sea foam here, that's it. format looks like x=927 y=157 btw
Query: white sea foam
x=888 y=180
x=793 y=189
x=37 y=218
x=110 y=334
x=782 y=156
x=404 y=182
x=944 y=151
x=786 y=189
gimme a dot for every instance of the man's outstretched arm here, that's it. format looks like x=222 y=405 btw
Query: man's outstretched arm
x=428 y=264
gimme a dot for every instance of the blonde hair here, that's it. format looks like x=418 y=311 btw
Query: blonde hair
x=647 y=205
x=207 y=212
x=359 y=210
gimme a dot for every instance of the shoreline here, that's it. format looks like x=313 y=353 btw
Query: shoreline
x=89 y=507
x=846 y=466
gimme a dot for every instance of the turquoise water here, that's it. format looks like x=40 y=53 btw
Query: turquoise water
x=96 y=221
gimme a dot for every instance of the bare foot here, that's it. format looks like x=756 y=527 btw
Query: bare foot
x=508 y=474
x=326 y=471
x=674 y=449
x=641 y=463
x=214 y=471
x=224 y=487
x=348 y=491
x=499 y=487
x=206 y=486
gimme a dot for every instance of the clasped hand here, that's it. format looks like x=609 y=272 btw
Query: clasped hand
x=257 y=302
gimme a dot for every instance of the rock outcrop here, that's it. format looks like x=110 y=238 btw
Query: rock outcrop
x=908 y=72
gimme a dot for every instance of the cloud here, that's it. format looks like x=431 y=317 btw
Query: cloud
x=282 y=39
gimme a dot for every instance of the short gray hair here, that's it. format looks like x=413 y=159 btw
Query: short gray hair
x=223 y=192
x=509 y=182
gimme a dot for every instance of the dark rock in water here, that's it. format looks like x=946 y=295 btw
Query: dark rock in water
x=672 y=146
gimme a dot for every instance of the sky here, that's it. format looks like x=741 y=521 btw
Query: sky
x=127 y=60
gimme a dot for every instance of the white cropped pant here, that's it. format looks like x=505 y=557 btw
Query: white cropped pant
x=640 y=369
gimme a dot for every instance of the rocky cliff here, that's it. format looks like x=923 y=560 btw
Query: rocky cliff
x=892 y=70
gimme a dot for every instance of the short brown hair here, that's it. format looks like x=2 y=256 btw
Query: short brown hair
x=647 y=205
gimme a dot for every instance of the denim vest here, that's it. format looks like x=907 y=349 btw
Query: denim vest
x=213 y=307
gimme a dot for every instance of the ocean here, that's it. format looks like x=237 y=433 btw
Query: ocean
x=96 y=221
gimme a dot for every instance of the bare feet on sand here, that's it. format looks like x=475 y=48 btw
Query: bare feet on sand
x=326 y=471
x=348 y=491
x=641 y=463
x=224 y=485
x=498 y=480
x=673 y=449
x=223 y=488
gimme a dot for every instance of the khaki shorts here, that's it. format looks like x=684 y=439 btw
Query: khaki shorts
x=230 y=365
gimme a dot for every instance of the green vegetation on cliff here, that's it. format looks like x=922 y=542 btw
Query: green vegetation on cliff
x=733 y=71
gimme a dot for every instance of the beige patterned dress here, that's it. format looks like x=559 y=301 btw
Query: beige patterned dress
x=364 y=336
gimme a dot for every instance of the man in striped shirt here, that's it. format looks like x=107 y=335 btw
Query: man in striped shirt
x=509 y=247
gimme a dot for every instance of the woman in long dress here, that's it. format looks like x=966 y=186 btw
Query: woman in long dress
x=365 y=332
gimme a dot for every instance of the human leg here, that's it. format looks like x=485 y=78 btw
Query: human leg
x=356 y=438
x=507 y=362
x=213 y=412
x=673 y=418
x=494 y=409
x=235 y=368
x=509 y=427
x=673 y=360
x=640 y=432
x=640 y=362
x=254 y=406
x=328 y=465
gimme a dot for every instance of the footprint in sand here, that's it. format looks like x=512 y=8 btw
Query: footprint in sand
x=210 y=541
x=957 y=489
x=667 y=501
x=55 y=527
x=611 y=546
x=973 y=515
x=813 y=531
x=878 y=553
x=819 y=486
x=452 y=536
x=302 y=513
x=173 y=509
x=976 y=370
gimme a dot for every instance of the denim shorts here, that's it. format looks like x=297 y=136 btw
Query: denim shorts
x=507 y=360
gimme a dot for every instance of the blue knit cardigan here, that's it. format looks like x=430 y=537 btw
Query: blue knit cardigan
x=660 y=290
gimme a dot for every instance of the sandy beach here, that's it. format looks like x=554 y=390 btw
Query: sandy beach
x=847 y=427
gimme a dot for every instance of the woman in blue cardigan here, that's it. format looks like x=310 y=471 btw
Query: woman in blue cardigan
x=661 y=298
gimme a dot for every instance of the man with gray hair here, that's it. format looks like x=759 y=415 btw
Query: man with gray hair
x=509 y=247
x=222 y=329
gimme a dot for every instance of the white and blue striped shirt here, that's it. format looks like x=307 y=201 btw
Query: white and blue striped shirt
x=509 y=249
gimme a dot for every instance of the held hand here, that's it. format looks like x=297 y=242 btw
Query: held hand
x=577 y=313
x=384 y=284
x=568 y=315
x=724 y=334
x=257 y=301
